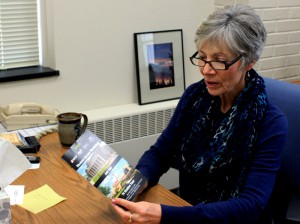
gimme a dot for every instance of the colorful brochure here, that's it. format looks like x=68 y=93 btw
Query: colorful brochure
x=103 y=167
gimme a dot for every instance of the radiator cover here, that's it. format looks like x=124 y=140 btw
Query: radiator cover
x=118 y=129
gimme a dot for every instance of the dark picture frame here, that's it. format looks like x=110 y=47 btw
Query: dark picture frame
x=159 y=65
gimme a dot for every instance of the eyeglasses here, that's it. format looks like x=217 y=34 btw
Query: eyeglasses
x=216 y=65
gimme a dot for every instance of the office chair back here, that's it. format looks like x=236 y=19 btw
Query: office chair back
x=287 y=97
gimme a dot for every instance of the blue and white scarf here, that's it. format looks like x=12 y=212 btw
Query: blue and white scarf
x=226 y=143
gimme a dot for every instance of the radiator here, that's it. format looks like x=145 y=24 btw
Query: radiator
x=131 y=129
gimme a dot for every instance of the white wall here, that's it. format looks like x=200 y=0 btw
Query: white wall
x=91 y=44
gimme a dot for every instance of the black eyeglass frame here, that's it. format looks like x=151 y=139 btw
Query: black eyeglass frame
x=226 y=63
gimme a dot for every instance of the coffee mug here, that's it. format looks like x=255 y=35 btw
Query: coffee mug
x=70 y=127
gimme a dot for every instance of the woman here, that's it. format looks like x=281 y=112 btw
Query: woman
x=225 y=137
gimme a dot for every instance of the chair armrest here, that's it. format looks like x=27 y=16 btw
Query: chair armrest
x=293 y=211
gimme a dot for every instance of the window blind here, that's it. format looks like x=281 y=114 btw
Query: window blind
x=19 y=37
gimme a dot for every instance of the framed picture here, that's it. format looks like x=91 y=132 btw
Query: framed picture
x=159 y=65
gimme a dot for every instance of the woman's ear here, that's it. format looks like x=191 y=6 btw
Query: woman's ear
x=248 y=67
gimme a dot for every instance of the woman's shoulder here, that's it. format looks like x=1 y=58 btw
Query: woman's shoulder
x=195 y=85
x=193 y=89
x=274 y=118
x=273 y=112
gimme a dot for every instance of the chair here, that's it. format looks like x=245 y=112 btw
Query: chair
x=285 y=201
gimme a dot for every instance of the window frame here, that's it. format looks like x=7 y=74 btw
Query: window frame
x=25 y=73
x=38 y=71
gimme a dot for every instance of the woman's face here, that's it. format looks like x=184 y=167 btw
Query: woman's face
x=224 y=83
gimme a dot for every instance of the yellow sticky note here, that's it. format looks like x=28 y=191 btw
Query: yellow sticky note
x=41 y=199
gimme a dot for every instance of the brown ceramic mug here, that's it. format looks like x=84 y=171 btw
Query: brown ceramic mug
x=70 y=126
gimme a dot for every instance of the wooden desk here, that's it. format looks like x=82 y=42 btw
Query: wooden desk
x=84 y=203
x=296 y=82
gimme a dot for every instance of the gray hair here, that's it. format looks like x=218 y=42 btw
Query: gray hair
x=238 y=27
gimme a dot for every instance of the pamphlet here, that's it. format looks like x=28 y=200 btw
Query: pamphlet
x=103 y=167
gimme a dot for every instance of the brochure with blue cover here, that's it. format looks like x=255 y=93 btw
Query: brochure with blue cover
x=97 y=162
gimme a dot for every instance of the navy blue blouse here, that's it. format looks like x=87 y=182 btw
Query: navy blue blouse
x=252 y=201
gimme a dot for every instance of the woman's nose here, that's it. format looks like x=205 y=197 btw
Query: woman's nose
x=207 y=69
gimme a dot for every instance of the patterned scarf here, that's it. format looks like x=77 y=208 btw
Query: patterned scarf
x=217 y=148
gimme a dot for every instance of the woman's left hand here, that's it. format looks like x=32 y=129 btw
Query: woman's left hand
x=137 y=212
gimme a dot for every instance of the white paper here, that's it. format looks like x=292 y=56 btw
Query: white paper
x=13 y=163
x=15 y=193
x=34 y=166
x=34 y=131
